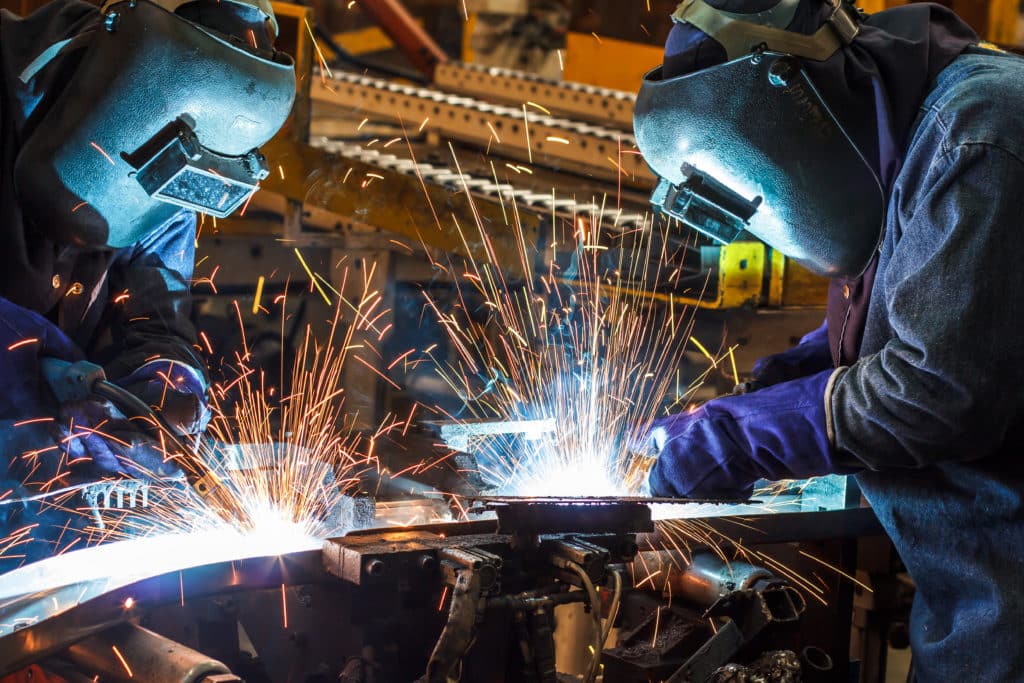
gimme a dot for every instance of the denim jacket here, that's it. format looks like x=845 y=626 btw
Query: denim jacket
x=934 y=407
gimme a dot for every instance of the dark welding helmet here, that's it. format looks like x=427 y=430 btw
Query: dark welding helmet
x=751 y=145
x=167 y=108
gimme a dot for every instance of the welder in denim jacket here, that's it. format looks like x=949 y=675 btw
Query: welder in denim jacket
x=887 y=153
x=117 y=124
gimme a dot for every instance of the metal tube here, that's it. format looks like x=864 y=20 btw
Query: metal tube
x=128 y=653
x=703 y=580
x=411 y=38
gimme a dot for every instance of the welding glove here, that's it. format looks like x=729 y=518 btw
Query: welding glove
x=810 y=355
x=173 y=389
x=720 y=449
x=94 y=431
x=44 y=441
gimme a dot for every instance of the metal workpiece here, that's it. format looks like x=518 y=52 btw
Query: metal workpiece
x=460 y=435
x=536 y=516
x=515 y=132
x=128 y=652
x=381 y=558
x=563 y=98
x=701 y=579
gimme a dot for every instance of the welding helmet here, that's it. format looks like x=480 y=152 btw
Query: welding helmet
x=166 y=108
x=749 y=143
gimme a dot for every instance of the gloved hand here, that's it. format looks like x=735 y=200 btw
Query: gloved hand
x=94 y=431
x=43 y=442
x=809 y=356
x=174 y=390
x=723 y=447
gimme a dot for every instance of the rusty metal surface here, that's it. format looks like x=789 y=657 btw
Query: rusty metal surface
x=520 y=133
x=569 y=99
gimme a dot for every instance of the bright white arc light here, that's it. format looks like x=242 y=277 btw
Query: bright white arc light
x=49 y=587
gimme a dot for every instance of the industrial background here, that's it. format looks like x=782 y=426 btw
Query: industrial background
x=413 y=123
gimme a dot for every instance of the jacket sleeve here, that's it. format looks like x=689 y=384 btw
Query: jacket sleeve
x=946 y=385
x=151 y=285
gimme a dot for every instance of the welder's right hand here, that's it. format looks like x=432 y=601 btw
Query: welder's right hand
x=810 y=356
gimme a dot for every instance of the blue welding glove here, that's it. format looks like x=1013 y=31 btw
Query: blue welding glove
x=723 y=447
x=95 y=433
x=175 y=390
x=809 y=356
x=44 y=442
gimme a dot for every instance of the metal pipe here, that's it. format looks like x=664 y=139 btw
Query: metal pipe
x=702 y=580
x=128 y=653
x=411 y=38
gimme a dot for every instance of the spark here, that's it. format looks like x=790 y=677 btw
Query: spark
x=592 y=353
x=286 y=460
x=101 y=151
x=526 y=129
x=837 y=570
x=319 y=53
x=555 y=138
x=259 y=295
x=284 y=606
x=23 y=342
x=247 y=200
x=497 y=137
x=312 y=278
x=124 y=663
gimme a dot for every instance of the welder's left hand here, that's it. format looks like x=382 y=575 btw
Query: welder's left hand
x=100 y=440
x=723 y=447
x=173 y=389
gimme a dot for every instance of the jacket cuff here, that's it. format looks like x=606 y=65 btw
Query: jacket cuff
x=830 y=429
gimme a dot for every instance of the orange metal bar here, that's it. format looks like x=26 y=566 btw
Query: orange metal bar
x=414 y=42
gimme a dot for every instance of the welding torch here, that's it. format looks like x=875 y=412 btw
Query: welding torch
x=82 y=380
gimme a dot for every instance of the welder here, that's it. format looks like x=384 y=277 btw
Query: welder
x=119 y=124
x=886 y=152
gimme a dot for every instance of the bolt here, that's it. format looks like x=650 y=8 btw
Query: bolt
x=375 y=567
x=428 y=563
x=782 y=72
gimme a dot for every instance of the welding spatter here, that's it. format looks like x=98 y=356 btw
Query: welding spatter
x=83 y=380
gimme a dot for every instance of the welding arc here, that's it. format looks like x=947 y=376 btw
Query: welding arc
x=201 y=478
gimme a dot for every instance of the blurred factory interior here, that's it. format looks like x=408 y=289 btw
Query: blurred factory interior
x=442 y=159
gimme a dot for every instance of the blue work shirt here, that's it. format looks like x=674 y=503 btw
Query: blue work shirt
x=934 y=406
